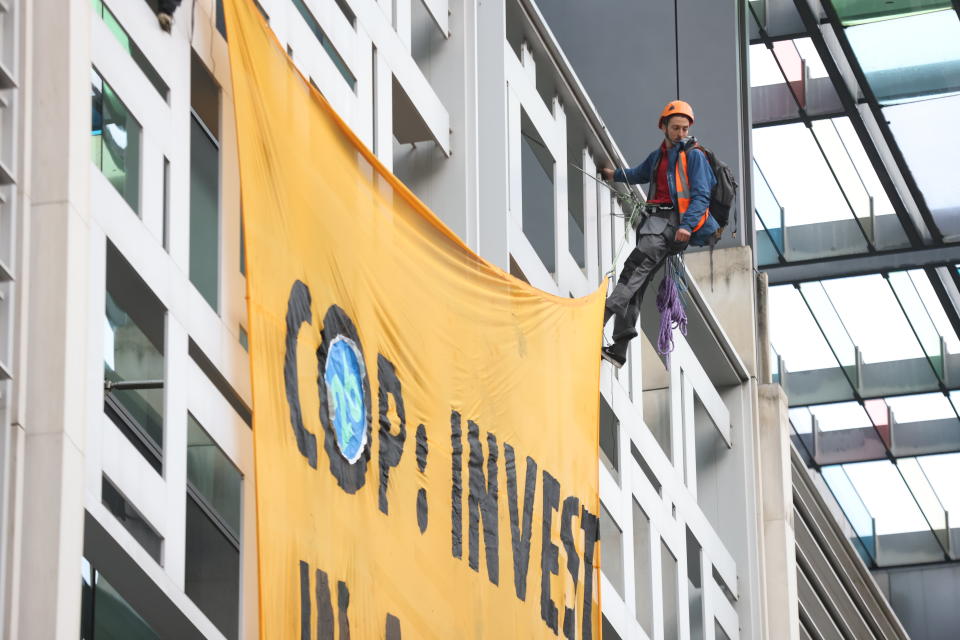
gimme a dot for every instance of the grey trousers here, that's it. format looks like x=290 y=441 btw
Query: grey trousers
x=655 y=242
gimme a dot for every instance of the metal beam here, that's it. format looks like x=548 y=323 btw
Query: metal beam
x=911 y=376
x=863 y=444
x=843 y=267
x=881 y=122
x=850 y=105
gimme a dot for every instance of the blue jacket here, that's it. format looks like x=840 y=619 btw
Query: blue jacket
x=701 y=184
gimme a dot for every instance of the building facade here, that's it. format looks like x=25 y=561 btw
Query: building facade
x=124 y=389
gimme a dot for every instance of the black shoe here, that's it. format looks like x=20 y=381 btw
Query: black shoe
x=614 y=358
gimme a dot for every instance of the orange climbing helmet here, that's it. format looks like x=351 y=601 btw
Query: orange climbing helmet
x=676 y=108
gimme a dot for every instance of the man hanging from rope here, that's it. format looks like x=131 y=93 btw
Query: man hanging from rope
x=677 y=214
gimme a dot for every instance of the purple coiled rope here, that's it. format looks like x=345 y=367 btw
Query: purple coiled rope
x=670 y=304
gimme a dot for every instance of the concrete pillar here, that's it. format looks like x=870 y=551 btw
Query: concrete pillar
x=492 y=237
x=56 y=394
x=729 y=286
x=779 y=543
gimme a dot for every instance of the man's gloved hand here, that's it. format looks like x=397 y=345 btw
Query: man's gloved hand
x=681 y=236
x=606 y=174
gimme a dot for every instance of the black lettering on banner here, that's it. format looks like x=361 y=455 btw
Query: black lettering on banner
x=421 y=448
x=304 y=601
x=571 y=507
x=520 y=538
x=391 y=444
x=456 y=499
x=422 y=465
x=350 y=477
x=591 y=533
x=393 y=627
x=482 y=501
x=298 y=312
x=324 y=607
x=343 y=601
x=549 y=553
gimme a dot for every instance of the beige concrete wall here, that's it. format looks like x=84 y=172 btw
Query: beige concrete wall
x=729 y=286
x=776 y=489
x=58 y=99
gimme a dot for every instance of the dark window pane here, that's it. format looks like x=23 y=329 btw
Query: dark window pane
x=133 y=344
x=324 y=41
x=609 y=438
x=611 y=560
x=204 y=213
x=205 y=96
x=212 y=577
x=100 y=9
x=213 y=476
x=115 y=141
x=105 y=614
x=537 y=204
x=131 y=519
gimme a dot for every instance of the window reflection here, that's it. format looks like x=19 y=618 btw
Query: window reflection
x=925 y=62
x=860 y=11
x=204 y=183
x=115 y=141
x=105 y=614
x=212 y=578
x=212 y=475
x=928 y=134
x=133 y=353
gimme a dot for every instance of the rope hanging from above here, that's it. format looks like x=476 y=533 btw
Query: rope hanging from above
x=673 y=314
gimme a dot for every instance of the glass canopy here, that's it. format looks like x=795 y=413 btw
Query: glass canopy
x=924 y=62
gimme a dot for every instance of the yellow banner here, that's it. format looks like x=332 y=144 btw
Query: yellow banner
x=425 y=425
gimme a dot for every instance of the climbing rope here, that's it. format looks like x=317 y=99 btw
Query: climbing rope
x=632 y=219
x=673 y=313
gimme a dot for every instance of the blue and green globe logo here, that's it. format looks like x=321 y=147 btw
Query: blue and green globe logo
x=344 y=376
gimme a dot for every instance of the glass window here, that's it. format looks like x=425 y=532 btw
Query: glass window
x=932 y=160
x=133 y=338
x=324 y=41
x=858 y=11
x=873 y=316
x=100 y=9
x=609 y=438
x=924 y=63
x=795 y=334
x=694 y=587
x=212 y=475
x=205 y=184
x=538 y=205
x=611 y=560
x=642 y=575
x=212 y=571
x=718 y=631
x=214 y=513
x=205 y=96
x=131 y=519
x=115 y=141
x=607 y=632
x=105 y=614
x=204 y=213
x=576 y=223
x=668 y=568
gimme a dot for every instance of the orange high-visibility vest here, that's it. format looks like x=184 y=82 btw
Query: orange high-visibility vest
x=683 y=189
